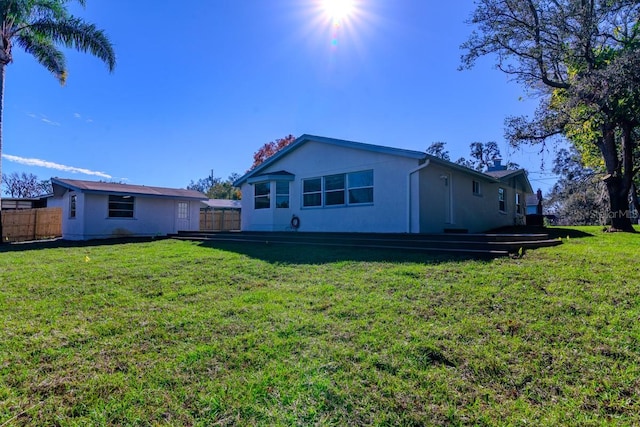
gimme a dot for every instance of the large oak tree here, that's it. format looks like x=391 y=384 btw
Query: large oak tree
x=582 y=58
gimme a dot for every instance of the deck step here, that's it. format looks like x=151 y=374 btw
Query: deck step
x=494 y=244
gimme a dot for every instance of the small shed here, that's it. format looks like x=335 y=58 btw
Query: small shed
x=99 y=210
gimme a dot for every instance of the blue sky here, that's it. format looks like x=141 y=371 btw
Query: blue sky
x=200 y=85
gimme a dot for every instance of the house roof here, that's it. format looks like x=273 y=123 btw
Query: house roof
x=461 y=168
x=300 y=141
x=222 y=204
x=279 y=175
x=504 y=175
x=125 y=189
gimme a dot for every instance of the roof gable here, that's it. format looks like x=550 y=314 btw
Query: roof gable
x=127 y=189
x=418 y=155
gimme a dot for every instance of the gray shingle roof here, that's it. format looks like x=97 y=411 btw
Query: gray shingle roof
x=502 y=173
x=136 y=190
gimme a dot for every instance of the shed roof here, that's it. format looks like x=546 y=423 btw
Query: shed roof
x=126 y=189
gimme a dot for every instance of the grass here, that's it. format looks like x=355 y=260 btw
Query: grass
x=183 y=333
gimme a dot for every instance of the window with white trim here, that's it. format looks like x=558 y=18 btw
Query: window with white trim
x=518 y=203
x=282 y=194
x=360 y=187
x=312 y=192
x=501 y=200
x=334 y=190
x=345 y=189
x=262 y=195
x=121 y=206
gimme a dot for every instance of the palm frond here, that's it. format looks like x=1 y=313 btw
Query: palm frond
x=52 y=9
x=14 y=11
x=77 y=34
x=16 y=14
x=45 y=52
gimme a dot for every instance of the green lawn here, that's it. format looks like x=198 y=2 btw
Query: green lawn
x=186 y=333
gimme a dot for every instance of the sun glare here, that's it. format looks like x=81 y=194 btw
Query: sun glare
x=338 y=10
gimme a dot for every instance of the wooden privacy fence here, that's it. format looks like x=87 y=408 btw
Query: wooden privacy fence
x=219 y=220
x=31 y=224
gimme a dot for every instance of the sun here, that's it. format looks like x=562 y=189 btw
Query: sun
x=338 y=10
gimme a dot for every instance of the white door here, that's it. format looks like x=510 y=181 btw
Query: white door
x=182 y=216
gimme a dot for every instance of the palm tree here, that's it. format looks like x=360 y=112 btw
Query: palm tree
x=41 y=28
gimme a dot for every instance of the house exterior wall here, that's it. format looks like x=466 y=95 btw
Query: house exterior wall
x=387 y=214
x=72 y=228
x=152 y=217
x=447 y=201
x=54 y=202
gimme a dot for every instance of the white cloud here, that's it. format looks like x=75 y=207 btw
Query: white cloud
x=50 y=122
x=43 y=119
x=52 y=165
x=79 y=117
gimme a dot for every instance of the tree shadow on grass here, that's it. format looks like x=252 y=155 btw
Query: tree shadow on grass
x=283 y=253
x=560 y=232
x=553 y=232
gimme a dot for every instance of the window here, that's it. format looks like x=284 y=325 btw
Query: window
x=501 y=205
x=518 y=203
x=282 y=194
x=360 y=187
x=72 y=206
x=338 y=190
x=262 y=195
x=121 y=206
x=476 y=188
x=334 y=190
x=312 y=192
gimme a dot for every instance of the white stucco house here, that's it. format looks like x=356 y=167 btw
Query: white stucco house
x=98 y=210
x=320 y=184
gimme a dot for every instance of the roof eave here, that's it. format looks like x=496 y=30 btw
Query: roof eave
x=55 y=181
x=464 y=169
x=514 y=174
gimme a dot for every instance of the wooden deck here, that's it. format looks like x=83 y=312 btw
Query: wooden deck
x=492 y=244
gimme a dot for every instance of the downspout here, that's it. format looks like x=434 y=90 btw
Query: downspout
x=411 y=172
